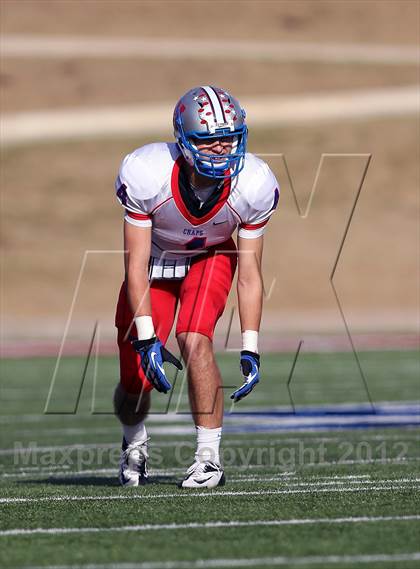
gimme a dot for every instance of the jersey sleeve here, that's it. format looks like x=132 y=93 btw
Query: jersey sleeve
x=262 y=202
x=135 y=187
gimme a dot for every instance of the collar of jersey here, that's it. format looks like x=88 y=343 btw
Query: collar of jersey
x=181 y=204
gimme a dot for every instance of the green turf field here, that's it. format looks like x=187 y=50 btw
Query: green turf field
x=325 y=497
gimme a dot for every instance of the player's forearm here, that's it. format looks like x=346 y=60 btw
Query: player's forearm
x=137 y=242
x=138 y=292
x=250 y=299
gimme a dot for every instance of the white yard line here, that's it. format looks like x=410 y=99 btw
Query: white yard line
x=289 y=479
x=67 y=473
x=54 y=470
x=400 y=461
x=23 y=473
x=314 y=484
x=282 y=476
x=292 y=475
x=209 y=525
x=204 y=493
x=190 y=48
x=250 y=562
x=155 y=119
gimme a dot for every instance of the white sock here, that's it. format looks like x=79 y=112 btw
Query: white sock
x=208 y=442
x=135 y=433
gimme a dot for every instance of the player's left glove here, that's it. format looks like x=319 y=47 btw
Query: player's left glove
x=250 y=368
x=153 y=354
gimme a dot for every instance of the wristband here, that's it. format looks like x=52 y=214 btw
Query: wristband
x=250 y=341
x=145 y=328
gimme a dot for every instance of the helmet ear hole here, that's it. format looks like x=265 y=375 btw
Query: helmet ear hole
x=187 y=154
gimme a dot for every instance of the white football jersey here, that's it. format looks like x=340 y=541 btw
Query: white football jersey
x=148 y=188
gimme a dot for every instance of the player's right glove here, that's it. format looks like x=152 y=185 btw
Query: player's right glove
x=153 y=354
x=250 y=367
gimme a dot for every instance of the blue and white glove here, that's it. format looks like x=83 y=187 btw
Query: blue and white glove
x=153 y=354
x=250 y=368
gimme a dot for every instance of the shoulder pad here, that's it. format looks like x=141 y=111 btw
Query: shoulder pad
x=141 y=171
x=259 y=184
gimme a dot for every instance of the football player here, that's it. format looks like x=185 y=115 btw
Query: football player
x=182 y=202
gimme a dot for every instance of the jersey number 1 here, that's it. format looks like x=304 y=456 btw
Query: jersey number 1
x=196 y=243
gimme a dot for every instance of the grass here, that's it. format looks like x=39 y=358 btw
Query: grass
x=272 y=477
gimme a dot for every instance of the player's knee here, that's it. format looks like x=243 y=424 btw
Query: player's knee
x=195 y=347
x=131 y=408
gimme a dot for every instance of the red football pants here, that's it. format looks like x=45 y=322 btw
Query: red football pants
x=202 y=297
